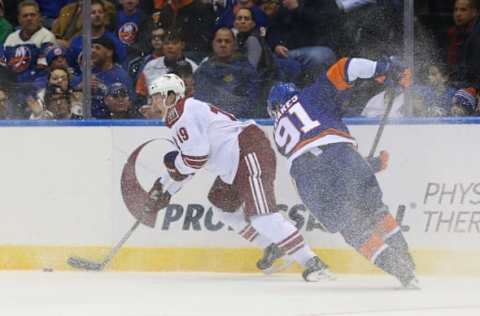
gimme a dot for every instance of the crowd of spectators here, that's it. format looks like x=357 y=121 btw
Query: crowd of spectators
x=229 y=53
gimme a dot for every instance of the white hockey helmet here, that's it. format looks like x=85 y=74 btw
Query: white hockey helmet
x=167 y=83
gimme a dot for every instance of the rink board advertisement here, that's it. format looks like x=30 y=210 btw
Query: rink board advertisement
x=62 y=196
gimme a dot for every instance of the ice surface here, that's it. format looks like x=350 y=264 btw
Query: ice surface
x=212 y=294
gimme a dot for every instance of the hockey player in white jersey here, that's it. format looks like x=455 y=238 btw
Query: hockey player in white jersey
x=241 y=156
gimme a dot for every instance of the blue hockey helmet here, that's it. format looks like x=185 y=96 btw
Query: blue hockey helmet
x=279 y=94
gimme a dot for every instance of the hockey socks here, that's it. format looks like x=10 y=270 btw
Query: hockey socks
x=284 y=234
x=391 y=233
x=386 y=258
x=238 y=223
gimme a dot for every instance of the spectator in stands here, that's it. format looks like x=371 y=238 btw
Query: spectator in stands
x=251 y=42
x=184 y=70
x=228 y=79
x=131 y=23
x=305 y=35
x=50 y=10
x=438 y=81
x=56 y=103
x=99 y=28
x=69 y=21
x=5 y=86
x=195 y=19
x=136 y=65
x=464 y=102
x=119 y=103
x=227 y=19
x=464 y=44
x=24 y=50
x=465 y=16
x=37 y=109
x=105 y=73
x=4 y=109
x=60 y=77
x=5 y=27
x=59 y=103
x=56 y=58
x=173 y=46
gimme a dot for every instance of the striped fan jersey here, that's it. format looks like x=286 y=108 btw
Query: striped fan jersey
x=206 y=137
x=26 y=58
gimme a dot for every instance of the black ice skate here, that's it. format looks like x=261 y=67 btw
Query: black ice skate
x=316 y=270
x=269 y=262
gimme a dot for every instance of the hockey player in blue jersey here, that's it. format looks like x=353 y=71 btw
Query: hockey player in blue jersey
x=334 y=181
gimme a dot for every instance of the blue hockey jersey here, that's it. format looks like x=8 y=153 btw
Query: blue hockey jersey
x=312 y=118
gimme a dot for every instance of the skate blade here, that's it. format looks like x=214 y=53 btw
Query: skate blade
x=414 y=285
x=323 y=275
x=279 y=266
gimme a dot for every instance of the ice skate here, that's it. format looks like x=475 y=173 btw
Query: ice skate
x=270 y=261
x=411 y=284
x=316 y=270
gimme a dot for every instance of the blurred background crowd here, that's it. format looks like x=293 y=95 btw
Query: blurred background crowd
x=230 y=52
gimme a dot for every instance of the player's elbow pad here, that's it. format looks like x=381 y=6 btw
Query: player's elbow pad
x=169 y=161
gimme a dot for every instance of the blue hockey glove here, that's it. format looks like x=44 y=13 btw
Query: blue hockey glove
x=392 y=72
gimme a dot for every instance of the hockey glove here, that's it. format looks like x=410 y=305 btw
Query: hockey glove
x=393 y=73
x=158 y=198
x=380 y=162
x=169 y=161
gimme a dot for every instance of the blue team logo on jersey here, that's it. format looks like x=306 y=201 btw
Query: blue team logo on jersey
x=128 y=33
x=21 y=60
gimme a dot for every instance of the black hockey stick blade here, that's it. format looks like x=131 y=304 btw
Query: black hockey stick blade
x=83 y=264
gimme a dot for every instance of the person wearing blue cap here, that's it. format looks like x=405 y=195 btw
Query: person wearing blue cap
x=56 y=58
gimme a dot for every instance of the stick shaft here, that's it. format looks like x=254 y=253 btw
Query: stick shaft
x=119 y=245
x=390 y=94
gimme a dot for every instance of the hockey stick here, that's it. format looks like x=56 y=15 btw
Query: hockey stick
x=390 y=93
x=84 y=264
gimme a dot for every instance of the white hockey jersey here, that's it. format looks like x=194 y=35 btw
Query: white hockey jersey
x=206 y=137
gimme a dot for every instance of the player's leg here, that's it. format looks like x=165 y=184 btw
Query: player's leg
x=227 y=206
x=388 y=228
x=370 y=225
x=332 y=184
x=255 y=183
x=361 y=235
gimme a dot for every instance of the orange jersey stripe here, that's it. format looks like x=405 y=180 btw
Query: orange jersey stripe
x=329 y=131
x=336 y=74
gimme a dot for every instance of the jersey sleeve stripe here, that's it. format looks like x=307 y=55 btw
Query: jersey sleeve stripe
x=337 y=74
x=329 y=131
x=195 y=162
